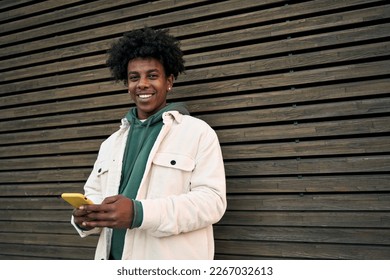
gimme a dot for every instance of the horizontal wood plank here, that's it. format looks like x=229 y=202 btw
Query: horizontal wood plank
x=301 y=250
x=21 y=251
x=45 y=238
x=302 y=166
x=326 y=219
x=40 y=218
x=308 y=184
x=308 y=148
x=311 y=202
x=306 y=234
x=39 y=189
x=10 y=4
x=46 y=176
x=34 y=163
x=299 y=130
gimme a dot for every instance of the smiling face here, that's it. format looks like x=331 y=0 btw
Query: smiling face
x=148 y=85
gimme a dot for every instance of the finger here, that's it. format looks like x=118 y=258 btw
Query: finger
x=94 y=224
x=99 y=223
x=100 y=207
x=79 y=212
x=111 y=199
x=93 y=208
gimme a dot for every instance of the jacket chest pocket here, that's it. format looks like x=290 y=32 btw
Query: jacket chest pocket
x=170 y=174
x=175 y=161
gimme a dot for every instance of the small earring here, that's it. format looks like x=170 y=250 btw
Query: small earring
x=169 y=88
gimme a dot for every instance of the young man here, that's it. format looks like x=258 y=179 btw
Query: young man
x=158 y=183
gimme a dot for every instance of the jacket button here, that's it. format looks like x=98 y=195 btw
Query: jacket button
x=173 y=162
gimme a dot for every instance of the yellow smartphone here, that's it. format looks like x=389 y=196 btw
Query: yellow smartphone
x=76 y=199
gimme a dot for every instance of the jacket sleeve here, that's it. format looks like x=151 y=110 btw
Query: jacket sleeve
x=93 y=190
x=202 y=206
x=84 y=233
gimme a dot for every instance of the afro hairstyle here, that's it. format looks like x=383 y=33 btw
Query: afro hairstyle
x=145 y=43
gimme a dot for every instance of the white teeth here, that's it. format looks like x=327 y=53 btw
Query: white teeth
x=144 y=96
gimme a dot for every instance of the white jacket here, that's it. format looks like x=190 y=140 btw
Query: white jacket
x=182 y=192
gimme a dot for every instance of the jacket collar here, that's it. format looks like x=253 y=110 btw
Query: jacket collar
x=167 y=116
x=172 y=115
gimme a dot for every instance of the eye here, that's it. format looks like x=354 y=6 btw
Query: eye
x=133 y=78
x=153 y=76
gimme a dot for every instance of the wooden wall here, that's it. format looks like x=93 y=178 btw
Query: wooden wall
x=298 y=92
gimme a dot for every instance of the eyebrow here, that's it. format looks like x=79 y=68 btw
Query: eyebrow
x=149 y=71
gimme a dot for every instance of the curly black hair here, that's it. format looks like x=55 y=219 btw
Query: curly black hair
x=145 y=43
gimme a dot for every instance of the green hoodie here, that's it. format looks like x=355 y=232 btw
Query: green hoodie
x=141 y=138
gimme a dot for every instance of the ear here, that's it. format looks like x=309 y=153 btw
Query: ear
x=170 y=80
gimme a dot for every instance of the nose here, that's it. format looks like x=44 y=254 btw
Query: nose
x=143 y=83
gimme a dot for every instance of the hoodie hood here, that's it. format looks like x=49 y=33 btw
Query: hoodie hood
x=132 y=115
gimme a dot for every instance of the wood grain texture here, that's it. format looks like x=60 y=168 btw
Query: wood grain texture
x=297 y=92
